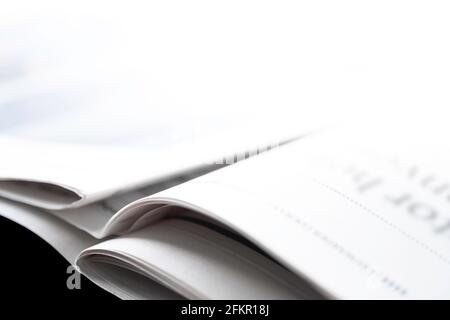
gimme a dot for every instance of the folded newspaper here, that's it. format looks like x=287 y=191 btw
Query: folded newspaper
x=325 y=216
x=165 y=158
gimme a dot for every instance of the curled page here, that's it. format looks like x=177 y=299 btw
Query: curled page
x=193 y=261
x=335 y=209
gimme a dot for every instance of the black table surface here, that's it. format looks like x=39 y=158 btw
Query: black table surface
x=31 y=268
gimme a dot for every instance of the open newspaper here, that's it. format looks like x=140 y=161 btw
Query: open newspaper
x=119 y=124
x=332 y=215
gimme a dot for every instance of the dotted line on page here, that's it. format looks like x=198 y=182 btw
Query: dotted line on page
x=384 y=279
x=385 y=221
x=371 y=271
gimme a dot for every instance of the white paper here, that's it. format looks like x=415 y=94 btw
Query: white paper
x=195 y=262
x=316 y=206
x=88 y=173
